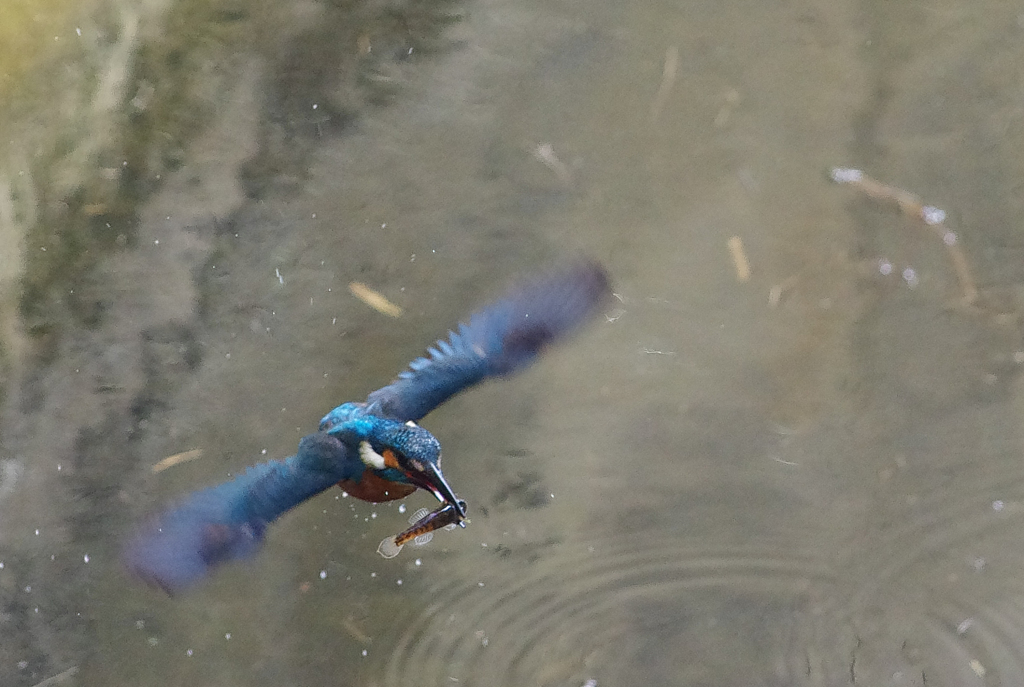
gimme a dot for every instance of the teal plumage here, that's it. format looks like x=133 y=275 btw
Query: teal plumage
x=374 y=449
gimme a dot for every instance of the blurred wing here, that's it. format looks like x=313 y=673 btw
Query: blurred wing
x=227 y=522
x=500 y=339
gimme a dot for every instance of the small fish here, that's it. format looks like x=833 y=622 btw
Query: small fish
x=447 y=515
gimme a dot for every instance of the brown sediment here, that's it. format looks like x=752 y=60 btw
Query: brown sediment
x=912 y=206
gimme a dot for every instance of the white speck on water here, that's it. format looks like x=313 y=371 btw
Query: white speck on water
x=1 y=565
x=86 y=558
x=323 y=574
x=964 y=626
x=910 y=276
x=264 y=451
x=949 y=238
x=156 y=242
x=28 y=589
x=188 y=652
x=139 y=624
x=364 y=652
x=419 y=561
x=373 y=516
x=37 y=533
x=846 y=175
x=78 y=31
x=933 y=215
x=399 y=583
x=227 y=635
x=479 y=584
x=997 y=505
x=228 y=356
x=401 y=508
x=334 y=320
x=280 y=277
x=885 y=267
x=315 y=106
x=373 y=574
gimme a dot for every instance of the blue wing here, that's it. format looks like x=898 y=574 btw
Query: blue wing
x=227 y=522
x=499 y=339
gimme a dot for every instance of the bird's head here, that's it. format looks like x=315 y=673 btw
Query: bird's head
x=344 y=413
x=399 y=452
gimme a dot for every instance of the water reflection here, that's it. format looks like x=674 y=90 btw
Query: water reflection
x=808 y=478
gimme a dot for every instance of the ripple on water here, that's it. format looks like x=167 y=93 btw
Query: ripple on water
x=939 y=595
x=935 y=598
x=620 y=611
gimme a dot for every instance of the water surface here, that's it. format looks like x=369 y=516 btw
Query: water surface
x=808 y=478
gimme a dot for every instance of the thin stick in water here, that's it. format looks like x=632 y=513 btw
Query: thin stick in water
x=911 y=206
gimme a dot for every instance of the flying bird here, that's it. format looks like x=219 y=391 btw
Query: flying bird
x=373 y=449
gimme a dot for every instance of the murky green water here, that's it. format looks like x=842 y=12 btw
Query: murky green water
x=809 y=478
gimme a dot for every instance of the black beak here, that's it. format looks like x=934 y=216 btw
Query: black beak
x=428 y=476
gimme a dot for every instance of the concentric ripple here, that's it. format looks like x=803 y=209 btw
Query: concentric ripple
x=934 y=598
x=623 y=611
x=940 y=595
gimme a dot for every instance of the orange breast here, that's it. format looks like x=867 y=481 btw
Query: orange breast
x=375 y=489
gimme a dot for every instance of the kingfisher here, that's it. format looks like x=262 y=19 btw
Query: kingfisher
x=374 y=449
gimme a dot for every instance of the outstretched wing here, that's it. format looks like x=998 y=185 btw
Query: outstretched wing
x=498 y=340
x=227 y=522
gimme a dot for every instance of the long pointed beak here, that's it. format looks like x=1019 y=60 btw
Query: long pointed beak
x=428 y=476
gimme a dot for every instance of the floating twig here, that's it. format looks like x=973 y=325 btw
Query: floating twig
x=545 y=152
x=374 y=299
x=911 y=206
x=732 y=99
x=776 y=292
x=59 y=678
x=177 y=458
x=739 y=259
x=668 y=79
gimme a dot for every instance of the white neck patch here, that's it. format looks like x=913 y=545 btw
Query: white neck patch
x=370 y=457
